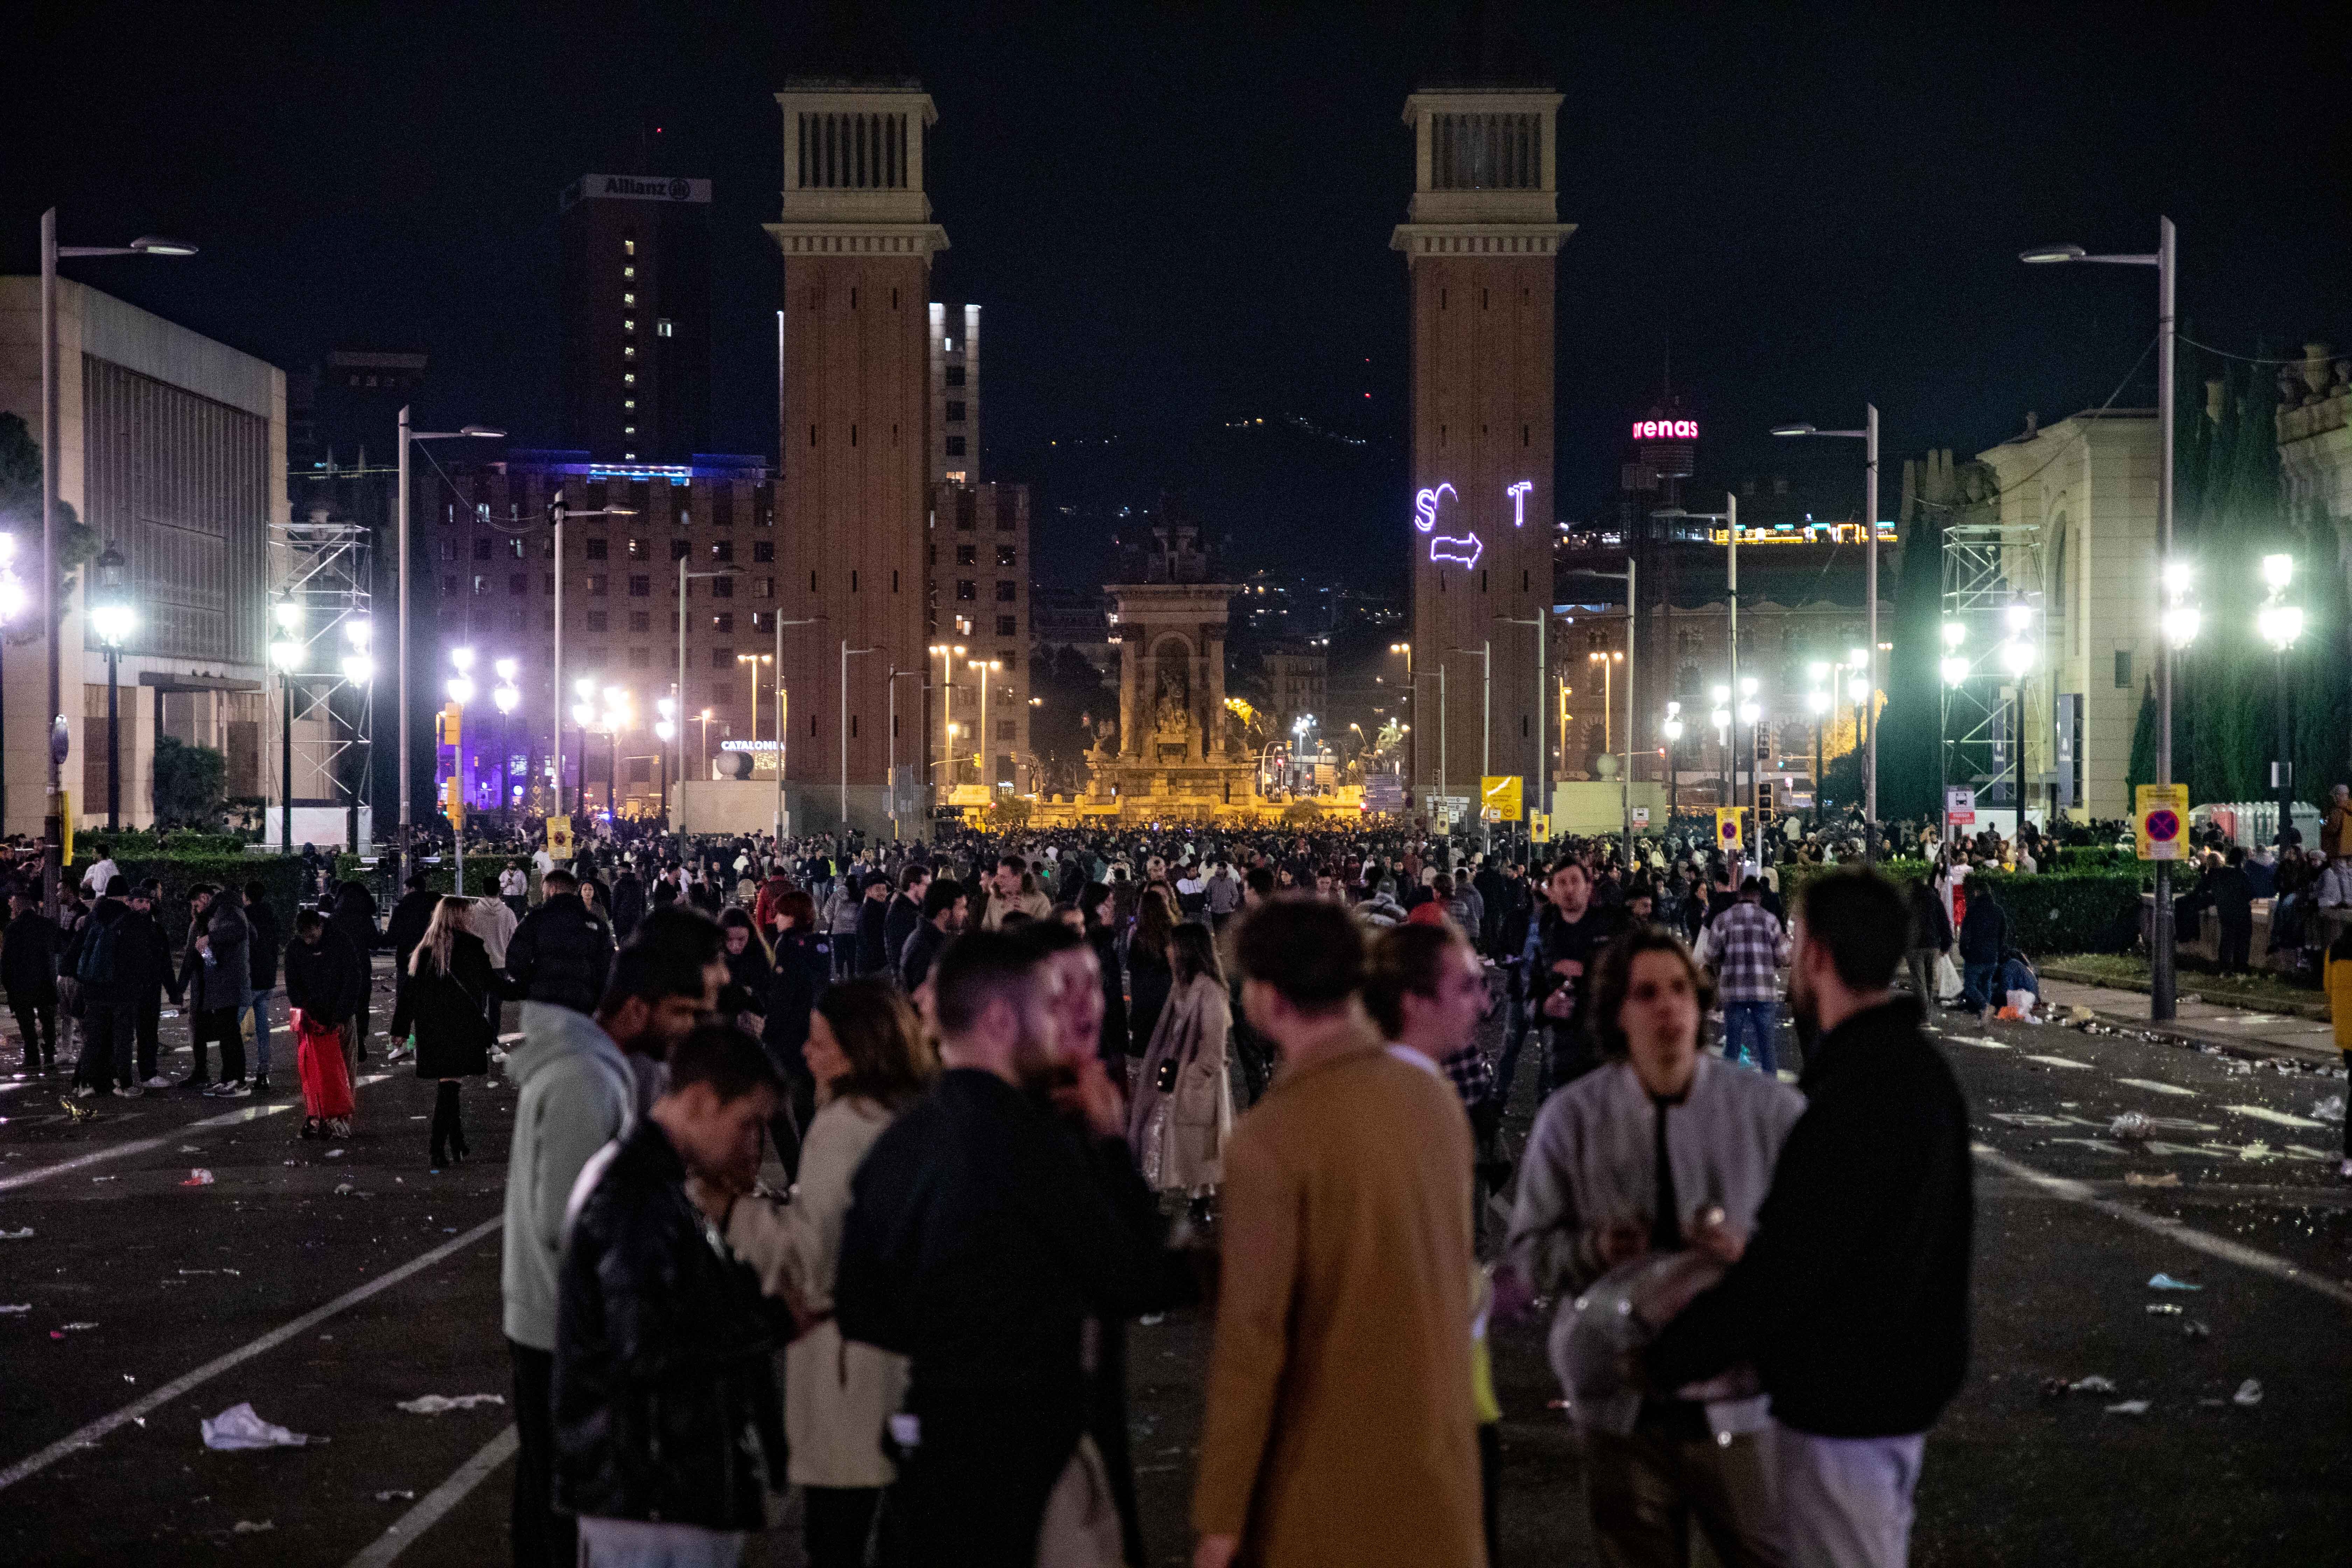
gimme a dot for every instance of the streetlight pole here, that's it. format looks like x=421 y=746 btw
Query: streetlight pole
x=684 y=576
x=2280 y=624
x=782 y=715
x=1868 y=721
x=1485 y=651
x=52 y=814
x=2163 y=999
x=983 y=666
x=943 y=652
x=895 y=676
x=558 y=514
x=1412 y=738
x=111 y=618
x=1543 y=675
x=285 y=652
x=400 y=503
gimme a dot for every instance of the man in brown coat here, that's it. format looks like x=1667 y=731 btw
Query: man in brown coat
x=1340 y=1429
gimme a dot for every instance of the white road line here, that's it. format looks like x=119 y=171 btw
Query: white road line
x=89 y=1435
x=428 y=1510
x=2154 y=1087
x=2197 y=1240
x=2284 y=1117
x=141 y=1145
x=2060 y=1062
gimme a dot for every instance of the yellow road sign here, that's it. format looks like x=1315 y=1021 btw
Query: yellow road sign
x=559 y=837
x=1500 y=796
x=1540 y=827
x=1726 y=828
x=2160 y=822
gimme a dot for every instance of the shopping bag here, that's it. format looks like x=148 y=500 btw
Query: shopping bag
x=1948 y=979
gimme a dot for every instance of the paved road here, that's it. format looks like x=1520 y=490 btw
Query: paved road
x=326 y=1309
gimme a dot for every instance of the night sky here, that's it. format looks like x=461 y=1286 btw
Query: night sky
x=1176 y=216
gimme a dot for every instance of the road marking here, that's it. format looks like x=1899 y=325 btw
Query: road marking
x=1987 y=1041
x=141 y=1145
x=89 y=1435
x=2186 y=1236
x=2284 y=1117
x=2059 y=1062
x=427 y=1511
x=2154 y=1087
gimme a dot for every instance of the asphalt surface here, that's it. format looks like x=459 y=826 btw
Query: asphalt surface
x=151 y=1305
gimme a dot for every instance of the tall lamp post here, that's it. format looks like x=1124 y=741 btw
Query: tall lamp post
x=461 y=695
x=784 y=735
x=111 y=617
x=1868 y=436
x=51 y=254
x=896 y=676
x=285 y=652
x=1953 y=668
x=1817 y=703
x=945 y=653
x=1720 y=717
x=984 y=666
x=558 y=514
x=2163 y=998
x=400 y=504
x=507 y=696
x=842 y=739
x=2280 y=624
x=2016 y=659
x=12 y=610
x=1411 y=746
x=1673 y=730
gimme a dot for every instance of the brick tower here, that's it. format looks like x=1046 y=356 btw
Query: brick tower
x=852 y=483
x=1480 y=243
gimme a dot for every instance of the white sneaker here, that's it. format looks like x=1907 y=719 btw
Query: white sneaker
x=158 y=1081
x=130 y=1091
x=85 y=1092
x=240 y=1090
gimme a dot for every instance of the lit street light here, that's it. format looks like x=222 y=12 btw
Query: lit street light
x=1868 y=436
x=2280 y=624
x=400 y=504
x=111 y=618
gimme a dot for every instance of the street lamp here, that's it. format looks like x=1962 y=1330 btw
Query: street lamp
x=583 y=713
x=2280 y=624
x=558 y=515
x=980 y=757
x=1868 y=436
x=2162 y=1001
x=51 y=449
x=2016 y=659
x=1720 y=717
x=753 y=662
x=483 y=432
x=1673 y=730
x=1413 y=748
x=111 y=617
x=944 y=653
x=1608 y=663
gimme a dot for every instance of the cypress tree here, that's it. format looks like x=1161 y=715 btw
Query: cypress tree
x=2142 y=768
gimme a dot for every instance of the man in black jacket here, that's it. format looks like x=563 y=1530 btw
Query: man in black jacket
x=906 y=913
x=2233 y=906
x=873 y=921
x=983 y=1233
x=104 y=1065
x=354 y=921
x=944 y=914
x=261 y=957
x=1852 y=1299
x=668 y=1431
x=1574 y=929
x=28 y=973
x=562 y=951
x=142 y=968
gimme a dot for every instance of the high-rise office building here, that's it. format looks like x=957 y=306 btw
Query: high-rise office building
x=979 y=586
x=955 y=394
x=637 y=317
x=1481 y=244
x=852 y=487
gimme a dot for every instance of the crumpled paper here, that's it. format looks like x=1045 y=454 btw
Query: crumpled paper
x=238 y=1428
x=435 y=1404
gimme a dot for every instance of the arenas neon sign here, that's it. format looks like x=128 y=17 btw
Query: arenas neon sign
x=1463 y=549
x=1665 y=429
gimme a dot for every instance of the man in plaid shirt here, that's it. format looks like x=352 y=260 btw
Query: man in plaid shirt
x=1745 y=946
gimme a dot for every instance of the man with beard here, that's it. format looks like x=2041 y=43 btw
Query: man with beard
x=981 y=1240
x=1852 y=1299
x=1574 y=930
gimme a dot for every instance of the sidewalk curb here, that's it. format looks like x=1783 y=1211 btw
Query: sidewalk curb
x=2190 y=1034
x=2313 y=1011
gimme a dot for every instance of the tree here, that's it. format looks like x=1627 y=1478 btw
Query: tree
x=1010 y=814
x=1302 y=813
x=190 y=784
x=1073 y=698
x=20 y=513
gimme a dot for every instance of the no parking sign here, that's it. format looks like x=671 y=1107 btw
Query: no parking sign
x=1726 y=828
x=2162 y=818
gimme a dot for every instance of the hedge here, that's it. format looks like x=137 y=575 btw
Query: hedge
x=481 y=873
x=98 y=844
x=2057 y=911
x=281 y=880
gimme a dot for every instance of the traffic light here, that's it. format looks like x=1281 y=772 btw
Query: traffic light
x=1766 y=808
x=445 y=727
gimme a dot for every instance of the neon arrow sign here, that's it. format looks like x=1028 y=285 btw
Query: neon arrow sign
x=1465 y=550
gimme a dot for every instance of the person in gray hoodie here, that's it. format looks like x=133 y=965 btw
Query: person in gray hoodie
x=579 y=1093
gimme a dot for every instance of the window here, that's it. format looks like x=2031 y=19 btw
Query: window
x=967 y=554
x=723 y=549
x=764 y=587
x=1004 y=518
x=966 y=589
x=763 y=620
x=629 y=378
x=1004 y=555
x=764 y=550
x=722 y=587
x=663 y=328
x=720 y=691
x=514 y=548
x=2122 y=668
x=955 y=411
x=481 y=550
x=955 y=376
x=723 y=624
x=636 y=550
x=628 y=247
x=595 y=620
x=515 y=580
x=722 y=658
x=628 y=296
x=449 y=551
x=1007 y=592
x=640 y=621
x=1486 y=151
x=963 y=520
x=628 y=325
x=641 y=587
x=955 y=445
x=597 y=584
x=679 y=549
x=1007 y=626
x=628 y=350
x=628 y=273
x=596 y=548
x=639 y=659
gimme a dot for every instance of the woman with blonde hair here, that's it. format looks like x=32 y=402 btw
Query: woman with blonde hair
x=449 y=983
x=1183 y=1106
x=870 y=1062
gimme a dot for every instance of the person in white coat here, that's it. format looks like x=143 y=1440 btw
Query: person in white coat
x=867 y=1051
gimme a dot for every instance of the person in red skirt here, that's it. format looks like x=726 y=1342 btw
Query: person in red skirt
x=322 y=1001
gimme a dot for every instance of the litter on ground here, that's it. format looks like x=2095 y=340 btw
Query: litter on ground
x=2167 y=1283
x=2249 y=1393
x=238 y=1428
x=2143 y=1179
x=435 y=1404
x=199 y=1177
x=251 y=1527
x=397 y=1494
x=2129 y=1408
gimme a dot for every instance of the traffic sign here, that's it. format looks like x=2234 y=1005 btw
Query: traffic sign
x=1726 y=828
x=559 y=837
x=1500 y=798
x=2162 y=816
x=1961 y=806
x=1539 y=827
x=1641 y=816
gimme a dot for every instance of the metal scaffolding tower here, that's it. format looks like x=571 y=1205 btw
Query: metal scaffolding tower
x=1987 y=567
x=330 y=574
